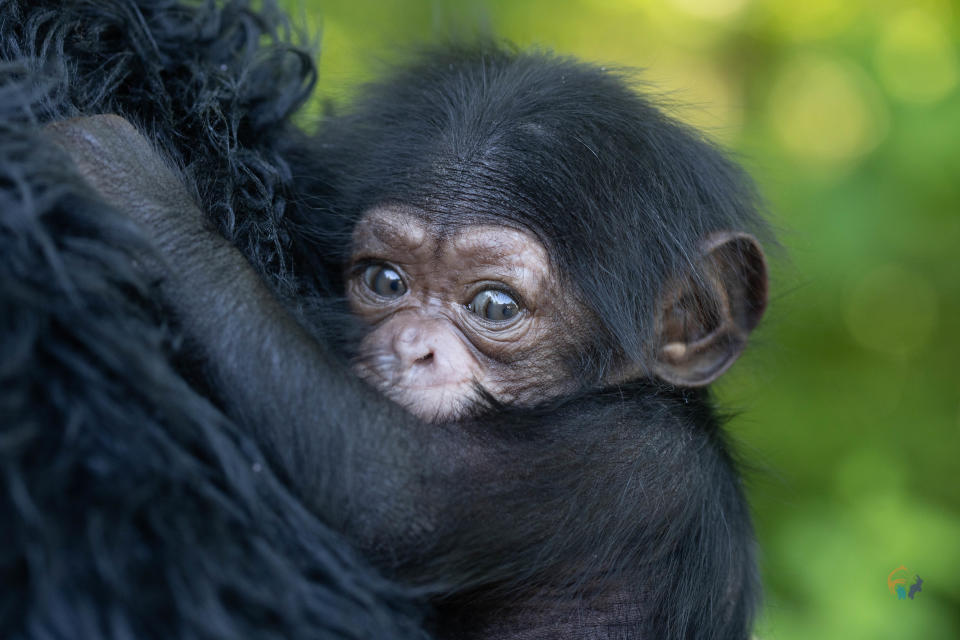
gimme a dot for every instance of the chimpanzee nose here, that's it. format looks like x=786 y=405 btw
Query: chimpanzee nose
x=427 y=352
x=413 y=346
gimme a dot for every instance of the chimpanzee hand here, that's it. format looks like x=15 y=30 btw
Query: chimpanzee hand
x=129 y=173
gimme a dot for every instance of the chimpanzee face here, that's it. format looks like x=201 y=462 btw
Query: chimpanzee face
x=456 y=313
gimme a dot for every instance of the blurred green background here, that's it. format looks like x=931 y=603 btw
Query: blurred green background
x=847 y=113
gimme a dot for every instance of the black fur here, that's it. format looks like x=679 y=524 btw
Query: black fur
x=131 y=507
x=138 y=509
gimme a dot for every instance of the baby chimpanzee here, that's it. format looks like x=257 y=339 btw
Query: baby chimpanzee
x=549 y=268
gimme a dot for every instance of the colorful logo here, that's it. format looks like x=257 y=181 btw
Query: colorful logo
x=897 y=583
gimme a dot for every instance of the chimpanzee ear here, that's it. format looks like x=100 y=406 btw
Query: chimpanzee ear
x=706 y=318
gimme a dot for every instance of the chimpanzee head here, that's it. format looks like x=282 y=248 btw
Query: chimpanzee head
x=522 y=226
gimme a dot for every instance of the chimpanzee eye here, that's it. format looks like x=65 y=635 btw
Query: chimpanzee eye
x=494 y=305
x=384 y=281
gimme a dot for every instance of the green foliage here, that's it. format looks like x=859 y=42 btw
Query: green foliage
x=848 y=115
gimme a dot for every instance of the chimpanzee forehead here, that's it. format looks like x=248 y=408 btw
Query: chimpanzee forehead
x=408 y=231
x=395 y=227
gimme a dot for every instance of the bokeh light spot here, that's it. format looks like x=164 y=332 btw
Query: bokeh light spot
x=892 y=310
x=915 y=57
x=826 y=111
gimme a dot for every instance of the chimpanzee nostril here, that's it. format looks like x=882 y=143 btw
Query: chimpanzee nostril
x=426 y=359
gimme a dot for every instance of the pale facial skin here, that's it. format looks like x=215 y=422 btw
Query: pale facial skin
x=477 y=306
